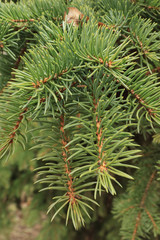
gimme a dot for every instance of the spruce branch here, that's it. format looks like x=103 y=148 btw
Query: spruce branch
x=88 y=89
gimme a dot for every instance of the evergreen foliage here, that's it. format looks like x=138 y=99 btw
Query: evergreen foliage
x=89 y=96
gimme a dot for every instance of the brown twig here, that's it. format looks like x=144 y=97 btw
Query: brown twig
x=127 y=209
x=151 y=218
x=142 y=102
x=22 y=20
x=45 y=80
x=13 y=134
x=142 y=205
x=70 y=193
